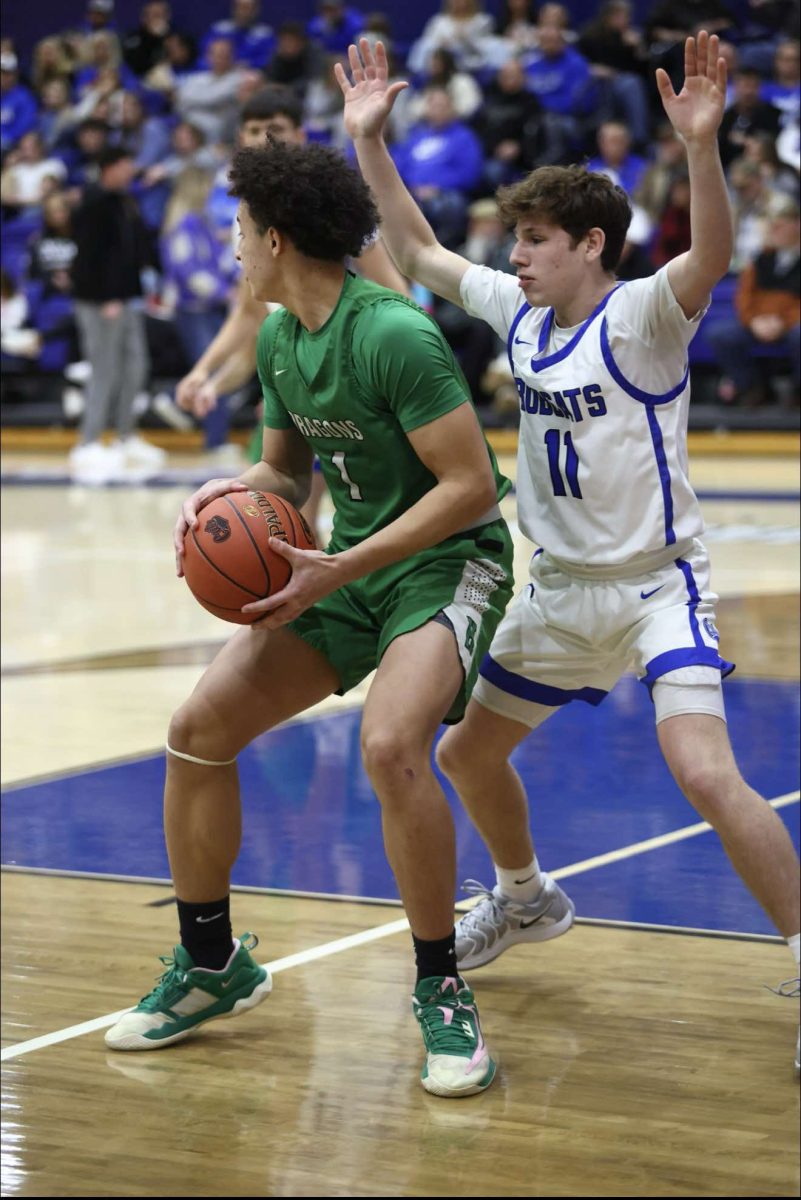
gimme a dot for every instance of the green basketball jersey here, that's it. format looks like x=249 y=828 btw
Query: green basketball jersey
x=378 y=369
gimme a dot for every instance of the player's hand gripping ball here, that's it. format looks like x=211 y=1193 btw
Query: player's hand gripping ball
x=228 y=561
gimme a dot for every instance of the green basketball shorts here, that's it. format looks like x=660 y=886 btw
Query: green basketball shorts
x=468 y=577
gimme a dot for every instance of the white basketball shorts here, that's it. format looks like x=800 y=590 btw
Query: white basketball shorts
x=566 y=638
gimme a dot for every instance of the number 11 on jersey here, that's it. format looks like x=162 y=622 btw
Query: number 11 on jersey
x=553 y=443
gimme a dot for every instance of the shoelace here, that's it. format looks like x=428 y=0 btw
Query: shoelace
x=170 y=985
x=472 y=887
x=441 y=1038
x=790 y=989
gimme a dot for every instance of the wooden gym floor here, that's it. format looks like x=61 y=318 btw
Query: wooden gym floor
x=639 y=1056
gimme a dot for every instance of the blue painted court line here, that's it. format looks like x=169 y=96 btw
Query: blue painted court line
x=595 y=779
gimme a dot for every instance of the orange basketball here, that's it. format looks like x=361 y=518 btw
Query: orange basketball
x=227 y=559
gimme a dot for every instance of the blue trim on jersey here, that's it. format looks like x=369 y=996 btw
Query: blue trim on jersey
x=689 y=656
x=664 y=474
x=635 y=392
x=537 y=364
x=694 y=601
x=525 y=307
x=536 y=693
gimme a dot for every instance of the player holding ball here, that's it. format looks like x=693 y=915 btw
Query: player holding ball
x=414 y=582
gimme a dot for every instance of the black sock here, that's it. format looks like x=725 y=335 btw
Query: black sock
x=206 y=932
x=436 y=958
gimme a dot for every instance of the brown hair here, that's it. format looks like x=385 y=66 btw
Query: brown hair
x=575 y=199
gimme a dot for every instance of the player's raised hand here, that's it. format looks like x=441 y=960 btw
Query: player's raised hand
x=369 y=99
x=696 y=112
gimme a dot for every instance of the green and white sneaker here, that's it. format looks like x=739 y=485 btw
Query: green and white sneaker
x=186 y=996
x=457 y=1060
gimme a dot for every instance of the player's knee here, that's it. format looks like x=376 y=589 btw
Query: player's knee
x=391 y=760
x=453 y=753
x=191 y=734
x=460 y=755
x=706 y=786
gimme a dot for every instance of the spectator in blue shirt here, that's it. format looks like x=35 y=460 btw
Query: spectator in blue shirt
x=147 y=139
x=558 y=75
x=200 y=274
x=615 y=158
x=56 y=121
x=783 y=91
x=105 y=59
x=252 y=41
x=49 y=286
x=18 y=109
x=336 y=26
x=441 y=163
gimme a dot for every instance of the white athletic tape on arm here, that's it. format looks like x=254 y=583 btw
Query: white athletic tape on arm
x=202 y=762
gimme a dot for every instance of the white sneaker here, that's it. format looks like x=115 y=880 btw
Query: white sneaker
x=137 y=452
x=93 y=464
x=73 y=402
x=496 y=923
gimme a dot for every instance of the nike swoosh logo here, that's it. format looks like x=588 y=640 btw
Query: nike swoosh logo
x=645 y=595
x=205 y=920
x=283 y=371
x=533 y=921
x=531 y=876
x=522 y=342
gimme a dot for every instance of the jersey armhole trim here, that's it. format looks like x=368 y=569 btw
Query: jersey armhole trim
x=525 y=307
x=631 y=389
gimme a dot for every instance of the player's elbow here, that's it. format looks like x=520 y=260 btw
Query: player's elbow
x=478 y=494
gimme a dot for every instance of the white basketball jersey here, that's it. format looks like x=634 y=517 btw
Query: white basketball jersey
x=602 y=462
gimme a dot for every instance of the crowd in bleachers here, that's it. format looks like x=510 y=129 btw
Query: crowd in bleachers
x=490 y=100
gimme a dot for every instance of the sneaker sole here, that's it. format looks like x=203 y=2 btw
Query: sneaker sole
x=439 y=1089
x=519 y=938
x=137 y=1041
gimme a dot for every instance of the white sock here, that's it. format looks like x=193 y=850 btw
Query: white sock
x=795 y=945
x=524 y=883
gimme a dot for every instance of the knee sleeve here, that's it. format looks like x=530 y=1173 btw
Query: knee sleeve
x=689 y=690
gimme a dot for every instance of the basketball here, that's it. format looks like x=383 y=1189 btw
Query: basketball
x=227 y=558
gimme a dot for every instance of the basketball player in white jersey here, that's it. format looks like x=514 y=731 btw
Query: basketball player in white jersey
x=229 y=361
x=621 y=580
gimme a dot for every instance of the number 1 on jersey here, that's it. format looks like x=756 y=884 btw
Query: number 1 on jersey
x=338 y=460
x=553 y=443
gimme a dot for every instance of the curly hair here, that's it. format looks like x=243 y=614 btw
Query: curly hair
x=575 y=199
x=308 y=193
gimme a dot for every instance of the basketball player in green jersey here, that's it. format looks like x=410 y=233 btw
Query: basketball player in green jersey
x=414 y=582
x=229 y=361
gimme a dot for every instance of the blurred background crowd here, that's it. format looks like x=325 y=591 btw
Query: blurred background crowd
x=108 y=125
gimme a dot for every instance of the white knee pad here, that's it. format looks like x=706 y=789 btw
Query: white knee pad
x=689 y=690
x=202 y=762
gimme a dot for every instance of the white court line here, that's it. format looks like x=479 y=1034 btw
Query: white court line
x=654 y=843
x=381 y=931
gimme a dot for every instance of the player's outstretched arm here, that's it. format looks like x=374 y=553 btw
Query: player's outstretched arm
x=695 y=113
x=230 y=356
x=409 y=237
